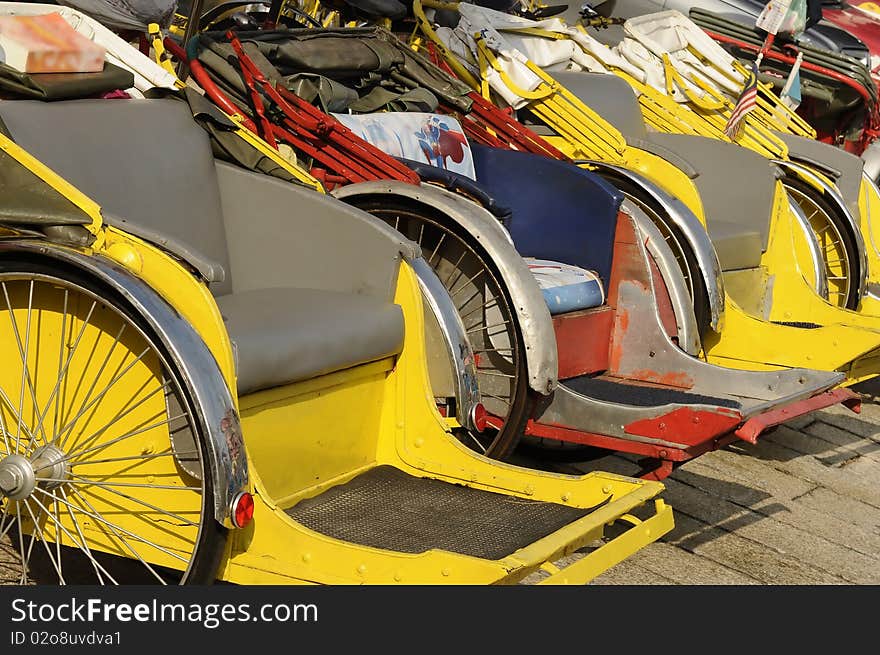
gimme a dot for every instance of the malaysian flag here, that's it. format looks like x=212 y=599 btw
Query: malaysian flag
x=747 y=101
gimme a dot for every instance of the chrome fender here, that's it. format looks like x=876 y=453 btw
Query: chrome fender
x=535 y=323
x=833 y=196
x=690 y=227
x=655 y=245
x=214 y=404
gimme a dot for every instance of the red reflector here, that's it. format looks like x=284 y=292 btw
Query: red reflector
x=243 y=510
x=481 y=417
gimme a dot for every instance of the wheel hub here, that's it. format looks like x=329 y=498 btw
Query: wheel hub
x=19 y=475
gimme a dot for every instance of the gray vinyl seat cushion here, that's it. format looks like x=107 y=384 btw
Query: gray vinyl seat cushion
x=736 y=185
x=286 y=335
x=735 y=246
x=151 y=168
x=609 y=96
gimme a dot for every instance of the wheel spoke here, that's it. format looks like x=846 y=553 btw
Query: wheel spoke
x=489 y=305
x=170 y=453
x=495 y=373
x=24 y=560
x=77 y=479
x=453 y=294
x=93 y=514
x=436 y=248
x=87 y=398
x=81 y=544
x=63 y=371
x=25 y=377
x=110 y=489
x=116 y=533
x=127 y=435
x=455 y=269
x=68 y=427
x=61 y=357
x=40 y=534
x=489 y=327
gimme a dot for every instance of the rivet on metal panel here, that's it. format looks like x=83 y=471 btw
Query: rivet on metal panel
x=566 y=497
x=419 y=442
x=445 y=573
x=362 y=569
x=529 y=490
x=306 y=557
x=606 y=489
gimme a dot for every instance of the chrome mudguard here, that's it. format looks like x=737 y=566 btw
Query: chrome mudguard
x=833 y=196
x=467 y=392
x=535 y=324
x=214 y=404
x=692 y=229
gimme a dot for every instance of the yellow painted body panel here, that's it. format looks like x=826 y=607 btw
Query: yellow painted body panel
x=392 y=420
x=300 y=439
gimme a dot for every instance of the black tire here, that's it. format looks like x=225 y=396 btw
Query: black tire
x=828 y=223
x=459 y=259
x=210 y=538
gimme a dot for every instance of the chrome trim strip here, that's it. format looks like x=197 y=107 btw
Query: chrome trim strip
x=821 y=286
x=694 y=231
x=201 y=374
x=467 y=392
x=832 y=194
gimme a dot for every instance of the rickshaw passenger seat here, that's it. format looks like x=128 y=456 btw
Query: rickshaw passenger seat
x=574 y=218
x=285 y=335
x=609 y=96
x=736 y=185
x=737 y=188
x=146 y=162
x=843 y=167
x=162 y=179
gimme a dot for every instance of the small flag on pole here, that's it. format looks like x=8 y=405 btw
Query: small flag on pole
x=791 y=92
x=747 y=101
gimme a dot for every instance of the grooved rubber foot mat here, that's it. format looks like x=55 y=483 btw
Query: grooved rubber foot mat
x=639 y=395
x=386 y=508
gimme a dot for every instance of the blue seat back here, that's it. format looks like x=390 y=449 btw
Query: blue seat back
x=559 y=212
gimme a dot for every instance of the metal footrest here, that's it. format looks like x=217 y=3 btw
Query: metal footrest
x=389 y=509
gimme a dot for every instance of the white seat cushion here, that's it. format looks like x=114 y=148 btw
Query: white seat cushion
x=566 y=288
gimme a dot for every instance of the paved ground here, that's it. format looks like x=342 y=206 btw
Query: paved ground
x=801 y=507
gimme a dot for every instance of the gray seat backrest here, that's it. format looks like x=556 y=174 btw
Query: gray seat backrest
x=146 y=162
x=841 y=166
x=280 y=234
x=736 y=185
x=609 y=96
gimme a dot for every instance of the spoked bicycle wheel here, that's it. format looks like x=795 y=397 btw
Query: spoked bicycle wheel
x=488 y=316
x=102 y=465
x=836 y=245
